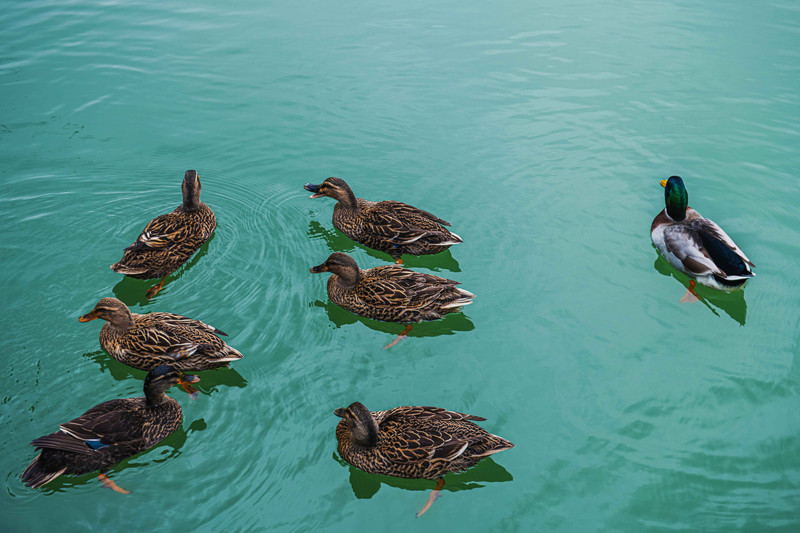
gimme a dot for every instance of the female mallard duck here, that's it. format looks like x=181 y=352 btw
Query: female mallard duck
x=147 y=341
x=697 y=246
x=392 y=227
x=413 y=442
x=391 y=293
x=109 y=432
x=169 y=240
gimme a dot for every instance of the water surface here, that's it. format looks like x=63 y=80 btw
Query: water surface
x=540 y=130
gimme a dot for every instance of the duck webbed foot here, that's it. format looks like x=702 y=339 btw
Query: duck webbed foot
x=107 y=483
x=154 y=289
x=691 y=295
x=399 y=337
x=185 y=383
x=435 y=493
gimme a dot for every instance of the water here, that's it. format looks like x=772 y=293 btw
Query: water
x=539 y=130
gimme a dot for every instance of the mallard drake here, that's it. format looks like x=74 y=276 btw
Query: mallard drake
x=147 y=341
x=169 y=240
x=697 y=246
x=392 y=227
x=413 y=442
x=391 y=293
x=109 y=432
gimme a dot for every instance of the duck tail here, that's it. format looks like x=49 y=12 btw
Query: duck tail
x=498 y=444
x=119 y=268
x=35 y=475
x=451 y=240
x=230 y=354
x=461 y=298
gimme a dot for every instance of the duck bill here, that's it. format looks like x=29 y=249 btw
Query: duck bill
x=310 y=187
x=663 y=183
x=339 y=412
x=318 y=269
x=88 y=317
x=187 y=379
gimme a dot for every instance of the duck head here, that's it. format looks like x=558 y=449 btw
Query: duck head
x=191 y=190
x=341 y=265
x=162 y=378
x=112 y=310
x=335 y=188
x=675 y=197
x=358 y=419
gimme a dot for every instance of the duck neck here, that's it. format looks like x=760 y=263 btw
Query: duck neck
x=676 y=212
x=155 y=396
x=348 y=277
x=191 y=203
x=122 y=321
x=365 y=434
x=347 y=199
x=676 y=199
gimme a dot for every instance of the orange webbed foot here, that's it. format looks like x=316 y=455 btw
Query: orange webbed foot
x=107 y=483
x=435 y=493
x=154 y=289
x=400 y=337
x=691 y=295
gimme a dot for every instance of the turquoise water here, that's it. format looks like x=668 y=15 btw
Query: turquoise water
x=540 y=130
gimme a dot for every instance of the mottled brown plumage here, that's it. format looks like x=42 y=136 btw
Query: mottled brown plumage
x=391 y=293
x=392 y=227
x=146 y=341
x=413 y=442
x=169 y=240
x=109 y=432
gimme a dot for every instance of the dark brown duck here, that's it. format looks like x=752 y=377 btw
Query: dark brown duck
x=109 y=432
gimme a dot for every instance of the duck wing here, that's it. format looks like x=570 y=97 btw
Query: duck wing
x=161 y=232
x=425 y=412
x=685 y=242
x=395 y=286
x=405 y=211
x=405 y=224
x=171 y=341
x=420 y=433
x=182 y=321
x=106 y=424
x=715 y=238
x=705 y=249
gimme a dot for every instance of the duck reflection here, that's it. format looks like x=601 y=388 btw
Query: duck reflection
x=339 y=242
x=365 y=486
x=161 y=452
x=132 y=291
x=731 y=303
x=449 y=325
x=210 y=380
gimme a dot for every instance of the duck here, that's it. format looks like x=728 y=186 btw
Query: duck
x=109 y=432
x=389 y=226
x=418 y=442
x=169 y=240
x=697 y=246
x=153 y=339
x=391 y=293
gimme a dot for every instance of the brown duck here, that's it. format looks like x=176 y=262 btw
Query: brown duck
x=391 y=293
x=169 y=240
x=392 y=227
x=414 y=442
x=109 y=432
x=147 y=341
